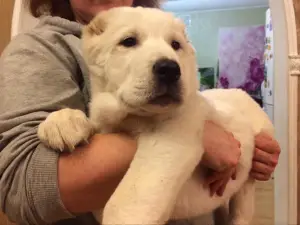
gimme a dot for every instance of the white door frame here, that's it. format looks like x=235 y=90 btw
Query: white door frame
x=293 y=112
x=285 y=111
x=285 y=106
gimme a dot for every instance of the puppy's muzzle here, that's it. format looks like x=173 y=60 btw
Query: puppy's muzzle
x=167 y=89
x=166 y=71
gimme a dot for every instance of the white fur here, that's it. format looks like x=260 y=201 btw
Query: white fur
x=65 y=129
x=162 y=182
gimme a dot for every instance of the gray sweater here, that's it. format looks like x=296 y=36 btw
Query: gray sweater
x=41 y=71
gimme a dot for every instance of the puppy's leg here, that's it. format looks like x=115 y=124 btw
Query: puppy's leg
x=106 y=111
x=64 y=129
x=242 y=204
x=150 y=187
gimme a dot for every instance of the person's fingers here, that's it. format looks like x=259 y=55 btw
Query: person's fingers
x=264 y=157
x=239 y=144
x=262 y=168
x=218 y=186
x=267 y=144
x=214 y=187
x=233 y=177
x=260 y=176
x=263 y=136
x=222 y=188
x=234 y=140
x=213 y=178
x=230 y=172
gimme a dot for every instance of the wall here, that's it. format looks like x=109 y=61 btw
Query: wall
x=205 y=25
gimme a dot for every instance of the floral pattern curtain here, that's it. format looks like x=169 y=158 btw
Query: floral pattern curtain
x=241 y=62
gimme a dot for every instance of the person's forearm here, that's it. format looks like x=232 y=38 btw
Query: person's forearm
x=89 y=176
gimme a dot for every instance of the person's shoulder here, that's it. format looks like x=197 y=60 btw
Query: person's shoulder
x=50 y=31
x=51 y=28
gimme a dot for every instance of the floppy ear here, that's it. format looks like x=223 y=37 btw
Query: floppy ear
x=91 y=31
x=183 y=28
x=96 y=26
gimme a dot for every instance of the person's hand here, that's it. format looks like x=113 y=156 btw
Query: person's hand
x=217 y=181
x=222 y=154
x=217 y=144
x=265 y=158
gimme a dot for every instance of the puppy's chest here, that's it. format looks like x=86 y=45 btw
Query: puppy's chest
x=135 y=125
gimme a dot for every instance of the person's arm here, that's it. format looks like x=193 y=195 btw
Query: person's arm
x=89 y=176
x=217 y=144
x=36 y=78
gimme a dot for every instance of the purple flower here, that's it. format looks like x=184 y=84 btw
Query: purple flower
x=254 y=63
x=256 y=71
x=258 y=75
x=250 y=86
x=224 y=82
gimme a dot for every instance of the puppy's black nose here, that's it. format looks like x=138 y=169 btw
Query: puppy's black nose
x=167 y=71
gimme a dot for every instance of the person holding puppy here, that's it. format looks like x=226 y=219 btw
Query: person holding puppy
x=43 y=71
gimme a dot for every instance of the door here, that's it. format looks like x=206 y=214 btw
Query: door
x=6 y=9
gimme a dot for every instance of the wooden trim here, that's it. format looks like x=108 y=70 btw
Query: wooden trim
x=285 y=111
x=297 y=16
x=6 y=10
x=297 y=20
x=292 y=114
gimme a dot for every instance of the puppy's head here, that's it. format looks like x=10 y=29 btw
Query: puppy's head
x=142 y=56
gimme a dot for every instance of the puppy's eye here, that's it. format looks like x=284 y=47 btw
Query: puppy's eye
x=176 y=45
x=129 y=42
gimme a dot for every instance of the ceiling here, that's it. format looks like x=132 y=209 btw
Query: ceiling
x=195 y=5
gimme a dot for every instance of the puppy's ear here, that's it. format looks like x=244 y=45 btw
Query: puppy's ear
x=95 y=27
x=182 y=28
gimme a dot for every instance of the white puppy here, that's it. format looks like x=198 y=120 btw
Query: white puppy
x=143 y=81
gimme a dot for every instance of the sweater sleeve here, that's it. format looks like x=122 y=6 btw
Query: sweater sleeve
x=36 y=78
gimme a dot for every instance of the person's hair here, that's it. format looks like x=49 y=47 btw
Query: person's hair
x=63 y=9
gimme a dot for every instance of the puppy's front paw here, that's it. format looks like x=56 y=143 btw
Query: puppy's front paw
x=64 y=129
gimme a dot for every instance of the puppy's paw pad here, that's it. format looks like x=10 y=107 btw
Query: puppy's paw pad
x=65 y=129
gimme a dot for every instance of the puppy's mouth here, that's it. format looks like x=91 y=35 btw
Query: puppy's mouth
x=164 y=96
x=164 y=100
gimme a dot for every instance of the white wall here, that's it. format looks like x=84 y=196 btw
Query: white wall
x=197 y=5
